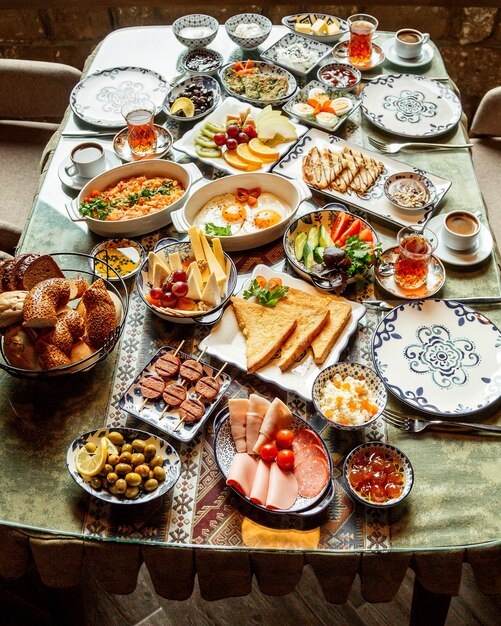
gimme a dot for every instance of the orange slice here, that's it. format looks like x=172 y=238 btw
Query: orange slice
x=262 y=151
x=231 y=157
x=245 y=154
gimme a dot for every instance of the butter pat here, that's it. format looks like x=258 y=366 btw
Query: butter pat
x=319 y=27
x=303 y=28
x=333 y=29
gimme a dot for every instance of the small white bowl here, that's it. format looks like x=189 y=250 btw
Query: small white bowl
x=411 y=178
x=248 y=43
x=195 y=20
x=344 y=369
x=105 y=249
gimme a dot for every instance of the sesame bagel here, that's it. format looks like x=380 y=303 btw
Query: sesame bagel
x=44 y=300
x=100 y=314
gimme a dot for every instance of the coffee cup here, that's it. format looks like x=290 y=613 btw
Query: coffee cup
x=409 y=43
x=461 y=230
x=87 y=160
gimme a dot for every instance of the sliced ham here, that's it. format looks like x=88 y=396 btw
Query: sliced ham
x=242 y=473
x=238 y=418
x=305 y=437
x=257 y=410
x=277 y=416
x=282 y=489
x=261 y=481
x=312 y=451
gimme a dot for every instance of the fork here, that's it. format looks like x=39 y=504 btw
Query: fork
x=416 y=425
x=392 y=148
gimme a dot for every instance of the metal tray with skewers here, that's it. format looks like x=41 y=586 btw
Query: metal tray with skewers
x=172 y=390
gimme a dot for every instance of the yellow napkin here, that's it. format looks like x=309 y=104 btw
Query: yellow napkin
x=257 y=536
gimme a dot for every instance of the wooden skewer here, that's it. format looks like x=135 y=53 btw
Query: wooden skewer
x=201 y=354
x=179 y=347
x=145 y=401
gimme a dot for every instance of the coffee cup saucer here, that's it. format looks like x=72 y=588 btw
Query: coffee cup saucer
x=434 y=282
x=77 y=182
x=479 y=253
x=424 y=58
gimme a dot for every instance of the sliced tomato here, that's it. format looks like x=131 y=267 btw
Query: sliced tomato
x=353 y=229
x=366 y=235
x=327 y=108
x=317 y=109
x=242 y=194
x=255 y=193
x=245 y=72
x=261 y=281
x=340 y=223
x=273 y=283
x=252 y=202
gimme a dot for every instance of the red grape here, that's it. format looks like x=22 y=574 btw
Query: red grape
x=220 y=139
x=179 y=276
x=231 y=144
x=156 y=293
x=167 y=285
x=169 y=300
x=250 y=130
x=242 y=138
x=232 y=131
x=180 y=289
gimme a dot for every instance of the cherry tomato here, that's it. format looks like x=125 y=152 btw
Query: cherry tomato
x=284 y=438
x=232 y=131
x=250 y=130
x=220 y=139
x=169 y=300
x=242 y=138
x=180 y=289
x=285 y=460
x=268 y=452
x=261 y=281
x=273 y=283
x=156 y=293
x=231 y=144
x=179 y=276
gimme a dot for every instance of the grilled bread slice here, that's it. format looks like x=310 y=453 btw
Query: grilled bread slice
x=265 y=330
x=340 y=314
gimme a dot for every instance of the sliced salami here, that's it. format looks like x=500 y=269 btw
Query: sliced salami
x=305 y=437
x=312 y=476
x=312 y=451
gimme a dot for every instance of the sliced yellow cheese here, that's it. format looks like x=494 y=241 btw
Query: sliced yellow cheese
x=194 y=270
x=217 y=248
x=153 y=260
x=223 y=287
x=198 y=251
x=333 y=29
x=211 y=291
x=194 y=291
x=303 y=28
x=175 y=261
x=319 y=27
x=160 y=273
x=214 y=266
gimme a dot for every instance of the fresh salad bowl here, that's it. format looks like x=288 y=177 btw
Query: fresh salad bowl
x=331 y=247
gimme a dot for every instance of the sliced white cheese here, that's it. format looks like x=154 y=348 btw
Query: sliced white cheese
x=217 y=248
x=175 y=261
x=214 y=266
x=194 y=270
x=154 y=262
x=194 y=292
x=198 y=251
x=211 y=291
x=160 y=273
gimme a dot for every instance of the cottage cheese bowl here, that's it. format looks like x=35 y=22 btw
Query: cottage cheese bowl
x=349 y=396
x=196 y=30
x=248 y=30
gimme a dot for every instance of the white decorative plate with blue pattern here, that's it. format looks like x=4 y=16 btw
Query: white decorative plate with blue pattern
x=410 y=106
x=439 y=356
x=98 y=99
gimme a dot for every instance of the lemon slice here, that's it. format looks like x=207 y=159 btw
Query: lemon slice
x=89 y=464
x=112 y=449
x=185 y=105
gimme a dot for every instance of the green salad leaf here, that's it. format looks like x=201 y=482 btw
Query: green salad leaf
x=361 y=254
x=217 y=231
x=265 y=295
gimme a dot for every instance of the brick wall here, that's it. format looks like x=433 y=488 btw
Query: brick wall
x=469 y=38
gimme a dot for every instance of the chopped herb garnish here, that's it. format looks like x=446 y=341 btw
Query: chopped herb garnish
x=265 y=295
x=218 y=231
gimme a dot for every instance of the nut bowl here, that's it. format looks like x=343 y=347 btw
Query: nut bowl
x=205 y=317
x=196 y=21
x=252 y=42
x=370 y=380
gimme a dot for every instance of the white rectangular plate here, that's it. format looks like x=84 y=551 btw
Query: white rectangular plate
x=319 y=49
x=228 y=343
x=374 y=201
x=186 y=143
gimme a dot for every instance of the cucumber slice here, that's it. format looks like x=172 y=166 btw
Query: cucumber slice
x=313 y=237
x=215 y=127
x=299 y=245
x=324 y=238
x=205 y=142
x=309 y=261
x=207 y=132
x=318 y=254
x=207 y=153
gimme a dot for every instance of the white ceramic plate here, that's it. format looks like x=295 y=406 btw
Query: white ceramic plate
x=439 y=356
x=374 y=201
x=462 y=259
x=186 y=143
x=317 y=49
x=264 y=68
x=410 y=106
x=424 y=58
x=77 y=182
x=228 y=343
x=98 y=99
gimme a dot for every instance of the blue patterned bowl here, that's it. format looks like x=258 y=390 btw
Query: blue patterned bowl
x=171 y=465
x=195 y=20
x=310 y=18
x=212 y=57
x=387 y=451
x=417 y=179
x=322 y=75
x=248 y=43
x=356 y=370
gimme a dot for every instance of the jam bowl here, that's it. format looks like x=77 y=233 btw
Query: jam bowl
x=340 y=76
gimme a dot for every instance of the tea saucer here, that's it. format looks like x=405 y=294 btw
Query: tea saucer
x=479 y=253
x=122 y=148
x=77 y=182
x=434 y=282
x=424 y=58
x=340 y=54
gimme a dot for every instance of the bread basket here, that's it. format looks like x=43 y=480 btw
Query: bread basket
x=72 y=265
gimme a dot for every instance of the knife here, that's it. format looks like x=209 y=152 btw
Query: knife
x=90 y=133
x=382 y=305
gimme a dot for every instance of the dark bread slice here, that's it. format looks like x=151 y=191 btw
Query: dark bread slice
x=8 y=270
x=36 y=270
x=21 y=265
x=3 y=264
x=10 y=273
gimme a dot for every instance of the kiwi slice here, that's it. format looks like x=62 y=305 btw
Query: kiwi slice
x=215 y=127
x=207 y=132
x=207 y=153
x=205 y=142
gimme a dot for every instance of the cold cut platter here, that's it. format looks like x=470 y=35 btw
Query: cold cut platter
x=175 y=393
x=292 y=470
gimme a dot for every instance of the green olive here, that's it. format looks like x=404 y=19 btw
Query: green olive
x=90 y=447
x=106 y=470
x=127 y=448
x=126 y=457
x=123 y=468
x=149 y=451
x=113 y=459
x=113 y=490
x=151 y=484
x=137 y=459
x=143 y=470
x=156 y=461
x=159 y=473
x=116 y=438
x=121 y=486
x=151 y=474
x=132 y=493
x=112 y=478
x=133 y=479
x=95 y=482
x=138 y=445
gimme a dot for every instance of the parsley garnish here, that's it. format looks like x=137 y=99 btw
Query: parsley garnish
x=360 y=254
x=218 y=231
x=264 y=295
